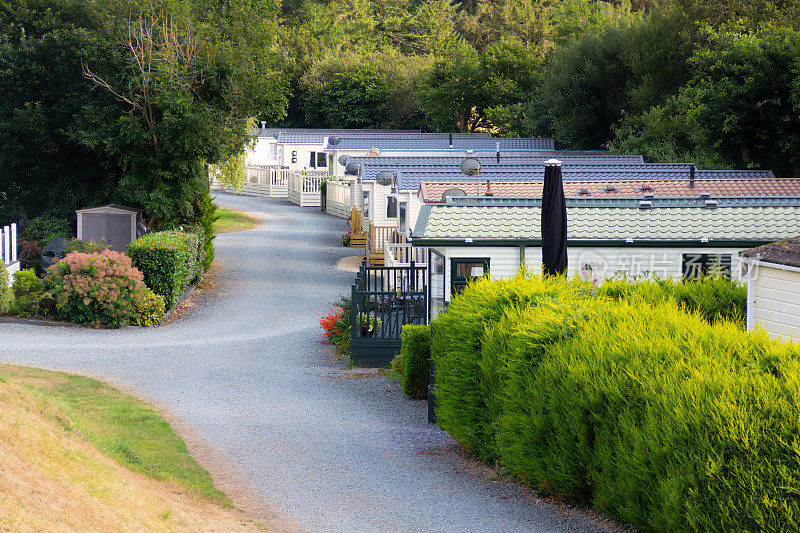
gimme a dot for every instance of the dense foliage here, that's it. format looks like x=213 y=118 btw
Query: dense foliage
x=169 y=262
x=415 y=360
x=97 y=289
x=649 y=412
x=27 y=291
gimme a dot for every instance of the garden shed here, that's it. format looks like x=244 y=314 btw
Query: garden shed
x=116 y=224
x=772 y=272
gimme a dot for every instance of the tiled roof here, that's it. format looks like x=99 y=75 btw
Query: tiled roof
x=432 y=191
x=507 y=157
x=273 y=132
x=785 y=252
x=445 y=222
x=432 y=141
x=411 y=179
x=369 y=137
x=638 y=203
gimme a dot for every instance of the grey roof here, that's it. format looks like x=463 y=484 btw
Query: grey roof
x=511 y=157
x=785 y=252
x=636 y=203
x=409 y=179
x=453 y=222
x=370 y=137
x=273 y=132
x=441 y=142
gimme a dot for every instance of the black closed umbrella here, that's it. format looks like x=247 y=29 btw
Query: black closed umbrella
x=554 y=220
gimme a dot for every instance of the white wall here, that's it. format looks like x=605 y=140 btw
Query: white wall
x=504 y=261
x=303 y=151
x=262 y=152
x=774 y=300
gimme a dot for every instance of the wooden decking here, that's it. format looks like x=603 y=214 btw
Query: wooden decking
x=372 y=238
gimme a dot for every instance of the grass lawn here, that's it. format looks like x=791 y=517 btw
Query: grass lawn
x=120 y=426
x=230 y=221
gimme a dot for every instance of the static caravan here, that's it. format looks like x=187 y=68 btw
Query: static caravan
x=772 y=272
x=473 y=237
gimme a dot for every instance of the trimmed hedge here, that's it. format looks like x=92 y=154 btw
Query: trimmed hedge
x=714 y=298
x=648 y=412
x=168 y=260
x=415 y=360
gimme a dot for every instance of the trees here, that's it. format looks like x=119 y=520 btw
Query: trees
x=130 y=100
x=740 y=109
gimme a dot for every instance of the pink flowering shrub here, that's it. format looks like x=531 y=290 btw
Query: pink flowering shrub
x=98 y=289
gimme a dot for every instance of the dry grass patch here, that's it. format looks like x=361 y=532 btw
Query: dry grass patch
x=55 y=478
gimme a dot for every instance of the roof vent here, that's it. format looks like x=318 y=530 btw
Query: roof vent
x=704 y=240
x=648 y=196
x=711 y=204
x=489 y=188
x=611 y=188
x=450 y=138
x=646 y=187
x=705 y=195
x=629 y=241
x=645 y=204
x=584 y=192
x=692 y=168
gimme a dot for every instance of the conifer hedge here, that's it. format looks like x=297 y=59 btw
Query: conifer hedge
x=647 y=411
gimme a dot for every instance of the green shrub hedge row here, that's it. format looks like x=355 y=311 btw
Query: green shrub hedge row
x=715 y=299
x=647 y=411
x=169 y=262
x=415 y=360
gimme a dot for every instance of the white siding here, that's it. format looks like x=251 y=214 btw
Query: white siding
x=606 y=262
x=775 y=301
x=503 y=260
x=261 y=153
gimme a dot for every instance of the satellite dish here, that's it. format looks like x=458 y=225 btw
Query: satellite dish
x=470 y=166
x=452 y=193
x=343 y=159
x=384 y=178
x=375 y=150
x=352 y=168
x=334 y=140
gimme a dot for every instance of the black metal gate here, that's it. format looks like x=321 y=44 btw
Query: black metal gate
x=384 y=299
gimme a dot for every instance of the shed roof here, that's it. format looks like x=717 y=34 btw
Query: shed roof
x=717 y=188
x=441 y=223
x=785 y=252
x=110 y=208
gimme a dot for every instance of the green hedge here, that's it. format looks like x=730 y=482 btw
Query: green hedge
x=715 y=299
x=168 y=260
x=648 y=412
x=415 y=360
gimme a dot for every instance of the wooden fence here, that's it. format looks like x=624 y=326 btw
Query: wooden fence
x=377 y=238
x=262 y=180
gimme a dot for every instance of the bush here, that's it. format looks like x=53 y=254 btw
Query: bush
x=29 y=253
x=96 y=289
x=27 y=290
x=5 y=291
x=149 y=309
x=168 y=261
x=464 y=408
x=44 y=227
x=336 y=326
x=649 y=412
x=714 y=298
x=415 y=360
x=85 y=247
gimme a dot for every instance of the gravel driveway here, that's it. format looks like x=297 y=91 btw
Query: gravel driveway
x=327 y=448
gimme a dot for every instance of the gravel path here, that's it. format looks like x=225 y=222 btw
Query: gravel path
x=328 y=448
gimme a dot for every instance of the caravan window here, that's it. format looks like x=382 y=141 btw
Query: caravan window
x=391 y=207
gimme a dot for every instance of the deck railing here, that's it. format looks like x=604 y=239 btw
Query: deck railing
x=304 y=187
x=378 y=236
x=339 y=198
x=354 y=226
x=8 y=244
x=397 y=254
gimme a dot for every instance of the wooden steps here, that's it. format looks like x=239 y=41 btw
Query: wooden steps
x=376 y=260
x=358 y=240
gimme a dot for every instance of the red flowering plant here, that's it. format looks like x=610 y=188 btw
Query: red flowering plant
x=336 y=326
x=97 y=289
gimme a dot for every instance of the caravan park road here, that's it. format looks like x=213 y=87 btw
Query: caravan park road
x=317 y=446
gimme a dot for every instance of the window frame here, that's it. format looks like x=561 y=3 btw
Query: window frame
x=457 y=260
x=396 y=206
